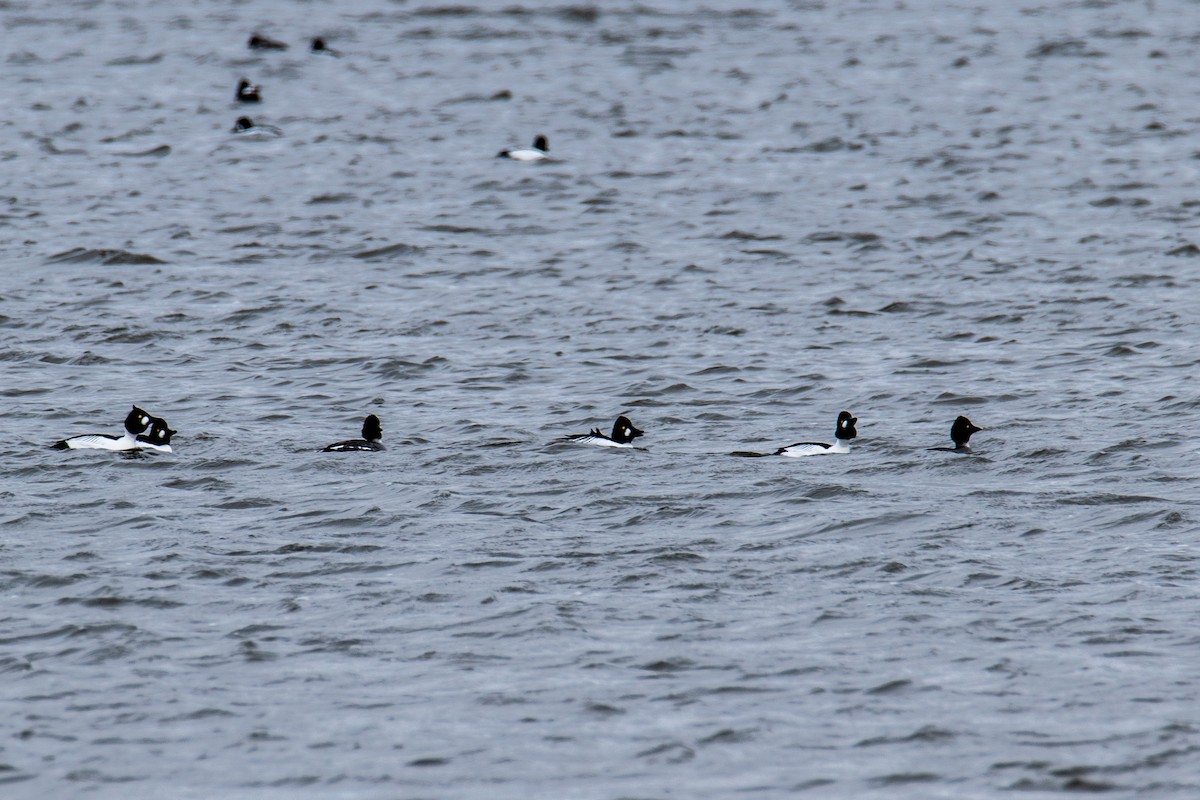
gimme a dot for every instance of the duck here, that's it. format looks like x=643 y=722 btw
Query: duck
x=372 y=432
x=319 y=46
x=158 y=438
x=136 y=423
x=540 y=151
x=247 y=92
x=623 y=434
x=260 y=42
x=245 y=127
x=960 y=434
x=843 y=433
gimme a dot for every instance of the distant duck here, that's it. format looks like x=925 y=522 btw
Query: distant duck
x=540 y=151
x=960 y=434
x=246 y=127
x=247 y=92
x=623 y=434
x=158 y=438
x=136 y=422
x=319 y=46
x=843 y=433
x=259 y=42
x=372 y=432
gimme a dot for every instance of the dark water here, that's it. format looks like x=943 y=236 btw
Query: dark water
x=756 y=216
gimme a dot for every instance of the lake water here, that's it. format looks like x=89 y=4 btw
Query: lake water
x=755 y=217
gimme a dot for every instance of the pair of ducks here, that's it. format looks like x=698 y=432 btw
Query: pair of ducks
x=251 y=93
x=142 y=432
x=624 y=433
x=259 y=42
x=622 y=436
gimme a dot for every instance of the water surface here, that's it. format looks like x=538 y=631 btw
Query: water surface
x=755 y=217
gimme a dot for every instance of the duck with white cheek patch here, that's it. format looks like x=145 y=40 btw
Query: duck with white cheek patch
x=136 y=423
x=623 y=434
x=842 y=434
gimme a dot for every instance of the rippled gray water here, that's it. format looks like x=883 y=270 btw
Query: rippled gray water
x=756 y=216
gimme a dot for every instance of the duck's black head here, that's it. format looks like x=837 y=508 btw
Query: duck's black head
x=159 y=432
x=624 y=432
x=243 y=124
x=539 y=142
x=318 y=45
x=845 y=426
x=372 y=431
x=137 y=421
x=961 y=431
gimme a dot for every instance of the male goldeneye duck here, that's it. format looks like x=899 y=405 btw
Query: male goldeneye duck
x=842 y=435
x=371 y=433
x=259 y=42
x=158 y=438
x=538 y=152
x=623 y=434
x=319 y=46
x=960 y=433
x=247 y=92
x=246 y=127
x=135 y=423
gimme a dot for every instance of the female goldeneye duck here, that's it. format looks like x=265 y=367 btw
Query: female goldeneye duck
x=623 y=434
x=247 y=92
x=246 y=127
x=319 y=46
x=538 y=152
x=135 y=423
x=159 y=437
x=960 y=434
x=371 y=433
x=842 y=435
x=259 y=42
